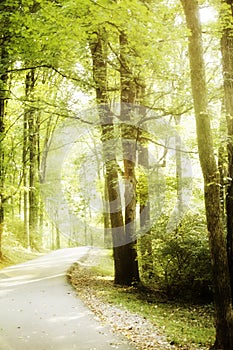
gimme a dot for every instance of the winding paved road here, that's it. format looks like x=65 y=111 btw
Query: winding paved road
x=39 y=310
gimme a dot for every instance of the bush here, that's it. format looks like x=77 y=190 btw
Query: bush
x=181 y=259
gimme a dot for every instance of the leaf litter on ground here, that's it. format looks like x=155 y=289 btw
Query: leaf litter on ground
x=91 y=286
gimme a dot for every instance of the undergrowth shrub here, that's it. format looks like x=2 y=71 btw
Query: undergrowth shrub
x=181 y=259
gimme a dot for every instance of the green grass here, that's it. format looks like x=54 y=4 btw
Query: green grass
x=186 y=325
x=16 y=255
x=13 y=252
x=183 y=324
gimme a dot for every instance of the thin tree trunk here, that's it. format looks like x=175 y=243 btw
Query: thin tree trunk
x=58 y=240
x=221 y=281
x=223 y=168
x=107 y=220
x=3 y=99
x=227 y=61
x=33 y=165
x=2 y=170
x=25 y=182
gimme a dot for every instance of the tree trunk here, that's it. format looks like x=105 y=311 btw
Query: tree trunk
x=25 y=181
x=3 y=99
x=129 y=144
x=33 y=165
x=58 y=240
x=223 y=168
x=2 y=171
x=227 y=62
x=111 y=166
x=221 y=281
x=106 y=216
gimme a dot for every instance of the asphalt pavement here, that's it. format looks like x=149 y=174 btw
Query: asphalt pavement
x=39 y=310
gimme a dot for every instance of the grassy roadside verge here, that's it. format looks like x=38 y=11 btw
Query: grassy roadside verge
x=186 y=326
x=16 y=255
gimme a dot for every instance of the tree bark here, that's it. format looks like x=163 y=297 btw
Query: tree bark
x=227 y=63
x=106 y=215
x=111 y=166
x=221 y=281
x=2 y=171
x=223 y=168
x=25 y=181
x=129 y=145
x=3 y=99
x=58 y=240
x=33 y=164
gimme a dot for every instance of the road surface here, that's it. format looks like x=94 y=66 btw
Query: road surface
x=39 y=310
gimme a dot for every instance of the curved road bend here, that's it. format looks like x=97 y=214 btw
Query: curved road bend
x=39 y=310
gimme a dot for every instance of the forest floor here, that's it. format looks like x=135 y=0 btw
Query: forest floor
x=148 y=324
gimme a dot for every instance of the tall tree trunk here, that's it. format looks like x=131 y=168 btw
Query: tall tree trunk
x=223 y=171
x=106 y=214
x=221 y=281
x=3 y=99
x=227 y=62
x=111 y=166
x=129 y=145
x=33 y=154
x=2 y=170
x=25 y=181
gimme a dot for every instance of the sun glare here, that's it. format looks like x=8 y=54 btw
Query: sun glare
x=208 y=14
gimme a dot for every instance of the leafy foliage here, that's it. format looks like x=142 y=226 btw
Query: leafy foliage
x=182 y=265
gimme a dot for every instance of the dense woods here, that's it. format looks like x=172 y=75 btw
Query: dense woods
x=116 y=131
